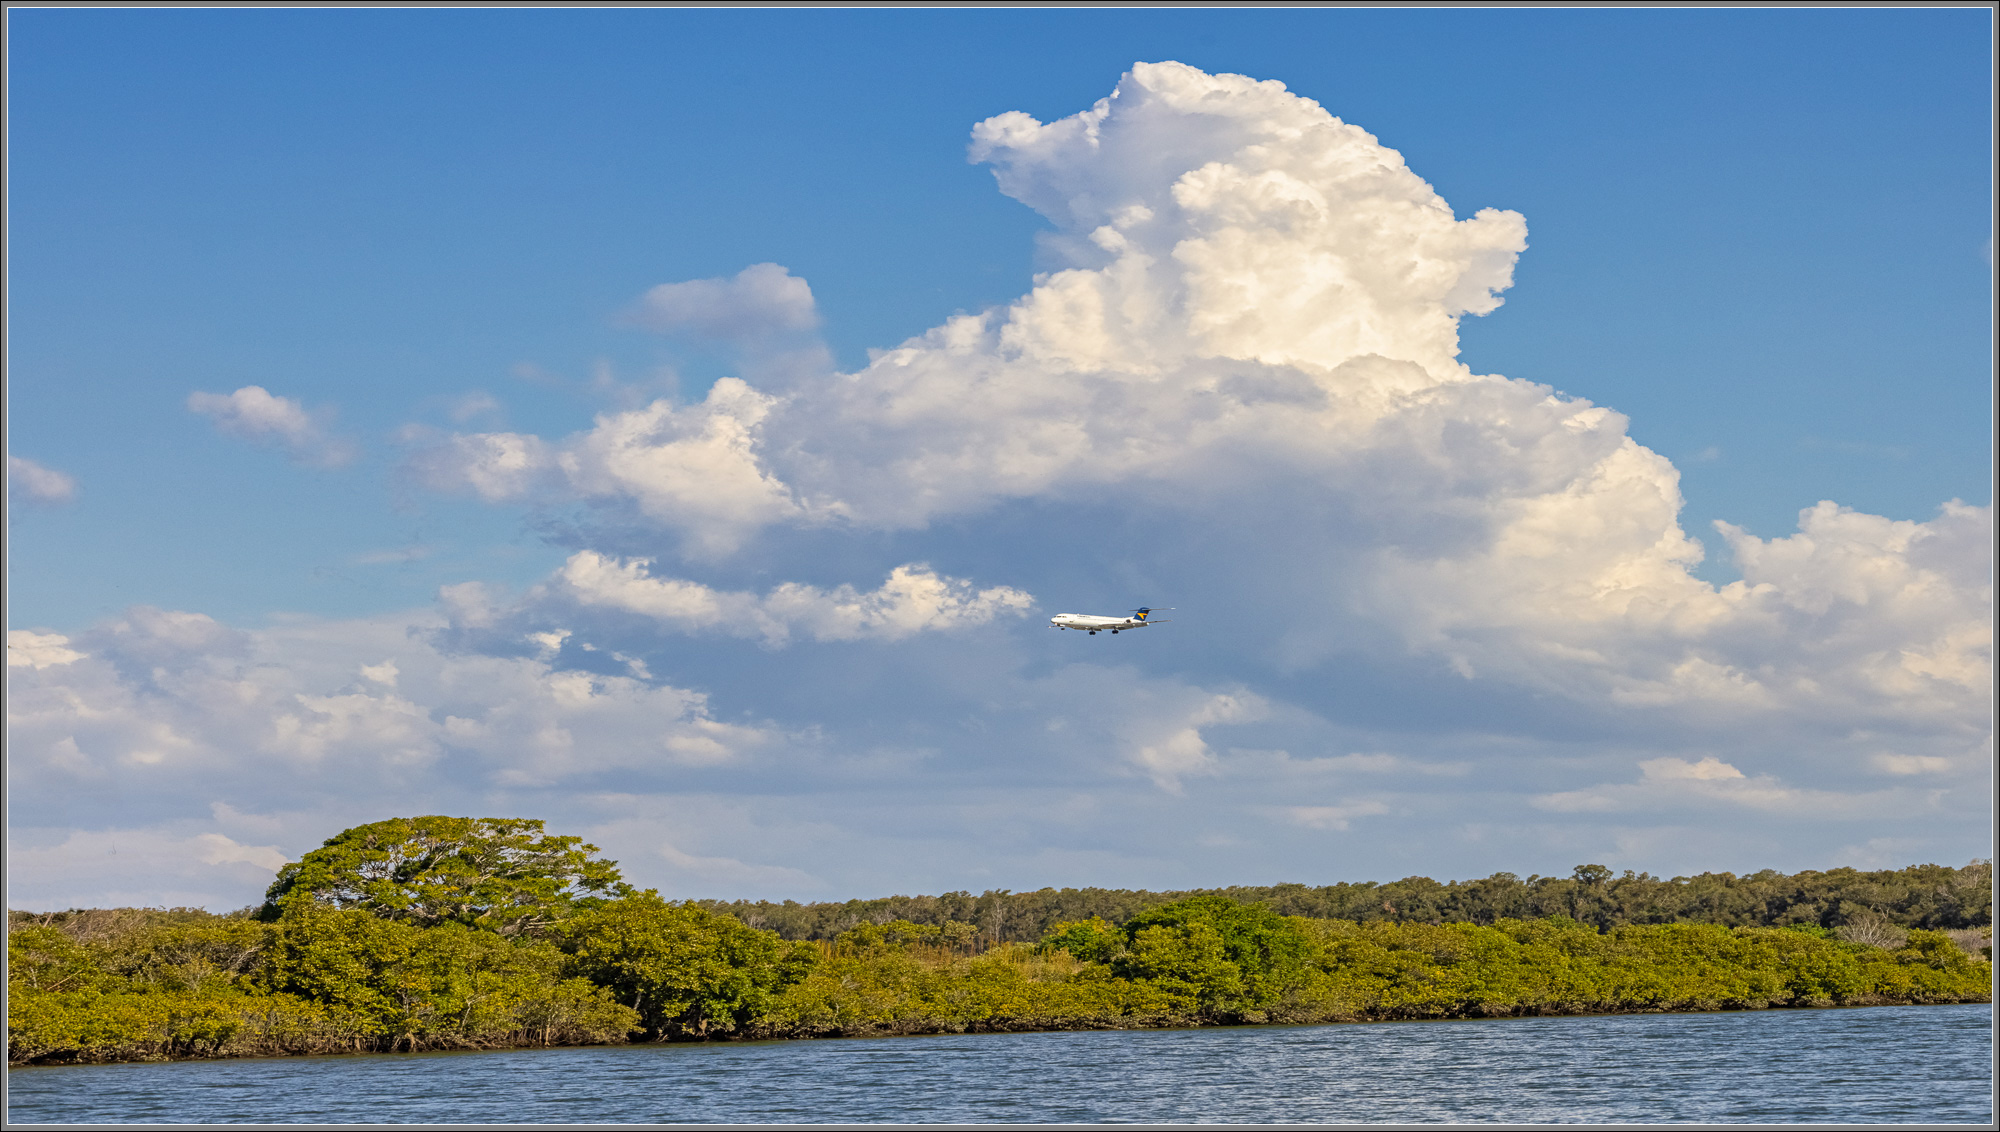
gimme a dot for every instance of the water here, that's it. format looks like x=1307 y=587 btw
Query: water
x=1910 y=1064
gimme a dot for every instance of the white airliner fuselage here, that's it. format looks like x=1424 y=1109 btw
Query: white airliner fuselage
x=1091 y=623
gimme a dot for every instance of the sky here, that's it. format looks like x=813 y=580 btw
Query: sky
x=1561 y=437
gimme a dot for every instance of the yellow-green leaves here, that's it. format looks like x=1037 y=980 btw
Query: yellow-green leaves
x=381 y=941
x=1230 y=958
x=1093 y=940
x=685 y=970
x=500 y=873
x=46 y=959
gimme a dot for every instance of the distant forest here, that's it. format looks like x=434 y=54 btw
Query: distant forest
x=1932 y=897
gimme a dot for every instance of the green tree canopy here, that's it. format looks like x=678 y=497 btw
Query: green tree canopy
x=500 y=873
x=687 y=971
x=1092 y=940
x=1229 y=955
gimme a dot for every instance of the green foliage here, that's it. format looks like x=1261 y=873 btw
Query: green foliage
x=431 y=987
x=47 y=960
x=1933 y=897
x=1553 y=966
x=318 y=979
x=686 y=971
x=952 y=935
x=499 y=873
x=1008 y=988
x=381 y=942
x=189 y=957
x=1092 y=940
x=119 y=1026
x=1187 y=961
x=1229 y=957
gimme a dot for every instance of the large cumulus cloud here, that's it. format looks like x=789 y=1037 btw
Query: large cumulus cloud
x=1261 y=316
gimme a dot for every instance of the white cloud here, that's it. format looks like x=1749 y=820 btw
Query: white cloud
x=1710 y=769
x=1258 y=327
x=760 y=299
x=254 y=413
x=31 y=482
x=1710 y=783
x=39 y=650
x=727 y=874
x=166 y=727
x=473 y=404
x=1153 y=365
x=1128 y=724
x=1332 y=817
x=216 y=849
x=1912 y=764
x=1168 y=745
x=384 y=673
x=159 y=697
x=494 y=466
x=914 y=599
x=693 y=467
x=1259 y=331
x=163 y=866
x=257 y=825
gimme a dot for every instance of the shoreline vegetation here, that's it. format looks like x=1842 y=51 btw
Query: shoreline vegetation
x=459 y=933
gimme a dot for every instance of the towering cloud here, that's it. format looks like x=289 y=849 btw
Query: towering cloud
x=1259 y=326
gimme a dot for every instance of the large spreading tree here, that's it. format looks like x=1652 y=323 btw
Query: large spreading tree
x=506 y=874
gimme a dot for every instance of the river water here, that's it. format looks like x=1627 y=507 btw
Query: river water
x=1909 y=1064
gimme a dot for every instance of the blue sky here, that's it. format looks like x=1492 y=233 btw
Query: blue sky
x=1763 y=236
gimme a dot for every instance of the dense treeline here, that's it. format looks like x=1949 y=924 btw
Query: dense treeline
x=434 y=933
x=1934 y=897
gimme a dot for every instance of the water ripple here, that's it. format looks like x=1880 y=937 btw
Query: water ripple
x=1929 y=1064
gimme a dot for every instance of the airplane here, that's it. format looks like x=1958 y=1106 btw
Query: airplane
x=1091 y=623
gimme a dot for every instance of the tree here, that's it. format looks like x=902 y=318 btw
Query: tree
x=1092 y=940
x=688 y=972
x=412 y=987
x=1187 y=959
x=41 y=958
x=1233 y=955
x=500 y=873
